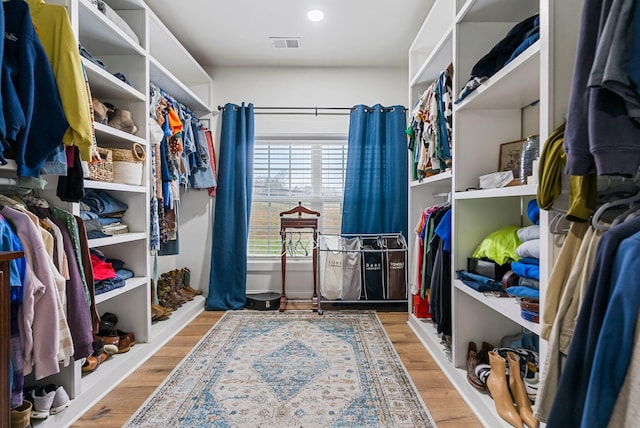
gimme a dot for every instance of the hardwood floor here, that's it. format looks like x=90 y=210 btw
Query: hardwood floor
x=445 y=404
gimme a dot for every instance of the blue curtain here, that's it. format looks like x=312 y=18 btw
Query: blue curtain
x=375 y=191
x=228 y=278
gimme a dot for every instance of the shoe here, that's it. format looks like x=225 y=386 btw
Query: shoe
x=21 y=415
x=472 y=362
x=109 y=317
x=60 y=399
x=90 y=364
x=519 y=393
x=499 y=390
x=111 y=349
x=531 y=386
x=124 y=345
x=41 y=401
x=129 y=335
x=107 y=340
x=98 y=350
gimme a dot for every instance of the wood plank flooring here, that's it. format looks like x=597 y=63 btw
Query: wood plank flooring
x=445 y=404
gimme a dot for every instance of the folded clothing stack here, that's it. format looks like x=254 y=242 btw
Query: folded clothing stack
x=102 y=214
x=108 y=274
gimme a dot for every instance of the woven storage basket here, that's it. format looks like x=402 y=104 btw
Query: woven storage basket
x=102 y=169
x=128 y=165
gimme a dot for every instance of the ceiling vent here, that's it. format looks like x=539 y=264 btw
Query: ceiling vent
x=285 y=42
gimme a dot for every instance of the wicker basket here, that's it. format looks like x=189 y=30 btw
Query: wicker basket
x=102 y=169
x=128 y=165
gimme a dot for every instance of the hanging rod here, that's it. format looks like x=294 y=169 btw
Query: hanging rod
x=314 y=110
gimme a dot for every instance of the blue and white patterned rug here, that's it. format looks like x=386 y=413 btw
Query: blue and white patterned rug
x=292 y=369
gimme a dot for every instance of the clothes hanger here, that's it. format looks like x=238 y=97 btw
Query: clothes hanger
x=595 y=219
x=555 y=227
x=299 y=244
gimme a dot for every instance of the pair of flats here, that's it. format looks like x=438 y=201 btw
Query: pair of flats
x=46 y=400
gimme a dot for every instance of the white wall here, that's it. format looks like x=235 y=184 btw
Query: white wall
x=279 y=87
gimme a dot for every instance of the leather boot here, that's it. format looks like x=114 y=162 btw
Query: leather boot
x=472 y=362
x=21 y=415
x=516 y=385
x=497 y=384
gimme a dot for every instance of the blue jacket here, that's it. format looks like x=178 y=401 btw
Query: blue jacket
x=27 y=74
x=616 y=339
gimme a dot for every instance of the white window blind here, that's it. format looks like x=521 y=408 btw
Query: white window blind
x=286 y=172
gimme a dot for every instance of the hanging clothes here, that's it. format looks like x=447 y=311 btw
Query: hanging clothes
x=600 y=136
x=594 y=319
x=430 y=128
x=56 y=35
x=35 y=124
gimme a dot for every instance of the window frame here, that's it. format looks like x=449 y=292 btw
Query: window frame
x=315 y=202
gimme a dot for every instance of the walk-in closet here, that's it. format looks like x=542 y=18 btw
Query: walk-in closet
x=306 y=213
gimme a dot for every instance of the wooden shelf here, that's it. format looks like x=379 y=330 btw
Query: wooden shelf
x=507 y=306
x=117 y=239
x=496 y=11
x=130 y=284
x=502 y=192
x=162 y=77
x=442 y=177
x=436 y=62
x=100 y=36
x=515 y=86
x=118 y=187
x=110 y=135
x=106 y=85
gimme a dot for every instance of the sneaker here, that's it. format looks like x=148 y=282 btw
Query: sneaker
x=60 y=399
x=41 y=401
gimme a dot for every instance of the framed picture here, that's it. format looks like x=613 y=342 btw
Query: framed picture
x=510 y=157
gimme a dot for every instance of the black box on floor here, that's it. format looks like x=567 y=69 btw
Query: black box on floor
x=263 y=301
x=488 y=268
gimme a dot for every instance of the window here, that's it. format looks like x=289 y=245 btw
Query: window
x=288 y=171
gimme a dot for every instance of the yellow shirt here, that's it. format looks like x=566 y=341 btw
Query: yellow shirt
x=57 y=38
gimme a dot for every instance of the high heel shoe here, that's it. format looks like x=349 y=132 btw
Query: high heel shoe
x=516 y=385
x=497 y=384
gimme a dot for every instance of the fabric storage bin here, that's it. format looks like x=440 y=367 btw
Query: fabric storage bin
x=101 y=168
x=373 y=263
x=128 y=165
x=420 y=307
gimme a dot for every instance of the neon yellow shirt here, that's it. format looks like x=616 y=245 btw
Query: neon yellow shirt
x=57 y=38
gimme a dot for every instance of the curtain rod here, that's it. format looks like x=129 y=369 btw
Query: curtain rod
x=315 y=110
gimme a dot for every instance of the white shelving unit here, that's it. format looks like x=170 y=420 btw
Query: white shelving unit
x=158 y=57
x=498 y=111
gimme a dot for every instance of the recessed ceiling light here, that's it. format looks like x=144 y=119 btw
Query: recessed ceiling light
x=315 y=15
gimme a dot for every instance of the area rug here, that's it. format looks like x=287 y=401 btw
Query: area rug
x=291 y=369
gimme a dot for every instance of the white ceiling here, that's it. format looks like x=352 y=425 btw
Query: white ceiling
x=353 y=33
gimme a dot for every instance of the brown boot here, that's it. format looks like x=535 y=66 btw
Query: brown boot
x=186 y=282
x=519 y=392
x=472 y=362
x=21 y=415
x=497 y=384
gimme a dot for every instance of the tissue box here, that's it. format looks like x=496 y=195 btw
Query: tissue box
x=496 y=179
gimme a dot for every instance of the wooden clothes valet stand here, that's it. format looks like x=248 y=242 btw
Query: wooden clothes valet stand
x=299 y=222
